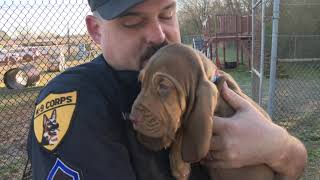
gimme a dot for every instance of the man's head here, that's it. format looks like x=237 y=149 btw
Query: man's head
x=129 y=33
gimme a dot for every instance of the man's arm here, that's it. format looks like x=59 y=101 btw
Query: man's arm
x=249 y=138
x=292 y=162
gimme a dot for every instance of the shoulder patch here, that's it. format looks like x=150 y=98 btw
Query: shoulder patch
x=52 y=118
x=61 y=171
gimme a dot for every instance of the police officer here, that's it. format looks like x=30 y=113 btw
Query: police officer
x=80 y=128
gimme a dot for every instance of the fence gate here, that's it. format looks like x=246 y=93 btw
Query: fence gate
x=258 y=50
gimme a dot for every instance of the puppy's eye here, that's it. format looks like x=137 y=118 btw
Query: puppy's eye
x=164 y=87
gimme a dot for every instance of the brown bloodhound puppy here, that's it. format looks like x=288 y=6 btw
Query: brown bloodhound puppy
x=175 y=109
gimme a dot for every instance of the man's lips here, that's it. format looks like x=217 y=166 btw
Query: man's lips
x=145 y=59
x=149 y=52
x=144 y=63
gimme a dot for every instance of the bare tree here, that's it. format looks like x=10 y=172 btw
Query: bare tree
x=194 y=15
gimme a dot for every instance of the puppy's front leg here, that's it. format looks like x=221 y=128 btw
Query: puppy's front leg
x=179 y=168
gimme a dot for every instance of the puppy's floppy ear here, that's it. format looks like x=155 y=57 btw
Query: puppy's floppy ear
x=197 y=129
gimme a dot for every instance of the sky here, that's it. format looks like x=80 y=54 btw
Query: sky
x=36 y=16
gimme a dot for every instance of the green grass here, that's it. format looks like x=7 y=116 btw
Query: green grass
x=14 y=169
x=314 y=154
x=241 y=74
x=231 y=54
x=302 y=70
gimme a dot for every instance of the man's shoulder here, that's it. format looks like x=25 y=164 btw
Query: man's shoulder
x=84 y=77
x=84 y=73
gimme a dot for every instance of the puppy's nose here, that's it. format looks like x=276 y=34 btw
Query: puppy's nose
x=135 y=118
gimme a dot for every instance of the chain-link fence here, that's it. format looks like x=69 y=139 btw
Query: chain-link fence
x=38 y=40
x=256 y=47
x=297 y=96
x=296 y=104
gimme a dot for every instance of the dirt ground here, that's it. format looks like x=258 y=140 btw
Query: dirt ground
x=15 y=114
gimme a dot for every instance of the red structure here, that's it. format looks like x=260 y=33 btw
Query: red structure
x=228 y=28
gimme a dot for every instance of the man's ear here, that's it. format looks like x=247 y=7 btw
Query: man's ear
x=197 y=129
x=93 y=27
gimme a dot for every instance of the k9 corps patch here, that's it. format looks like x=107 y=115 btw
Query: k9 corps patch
x=52 y=118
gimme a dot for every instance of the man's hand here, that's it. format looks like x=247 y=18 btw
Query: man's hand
x=250 y=138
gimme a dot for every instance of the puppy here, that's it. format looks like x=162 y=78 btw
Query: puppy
x=175 y=109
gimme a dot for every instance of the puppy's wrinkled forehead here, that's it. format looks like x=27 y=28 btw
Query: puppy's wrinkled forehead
x=176 y=60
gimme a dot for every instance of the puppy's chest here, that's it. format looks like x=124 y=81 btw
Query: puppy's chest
x=147 y=164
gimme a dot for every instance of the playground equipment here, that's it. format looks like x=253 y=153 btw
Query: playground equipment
x=227 y=29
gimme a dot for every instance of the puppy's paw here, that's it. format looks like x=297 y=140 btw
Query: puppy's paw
x=181 y=171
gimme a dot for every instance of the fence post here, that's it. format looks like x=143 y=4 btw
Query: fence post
x=295 y=47
x=252 y=38
x=274 y=55
x=262 y=51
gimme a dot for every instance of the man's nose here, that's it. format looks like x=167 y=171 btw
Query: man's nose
x=155 y=33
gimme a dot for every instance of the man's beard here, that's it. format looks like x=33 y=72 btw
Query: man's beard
x=149 y=52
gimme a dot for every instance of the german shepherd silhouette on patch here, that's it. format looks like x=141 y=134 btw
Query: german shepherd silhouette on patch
x=50 y=129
